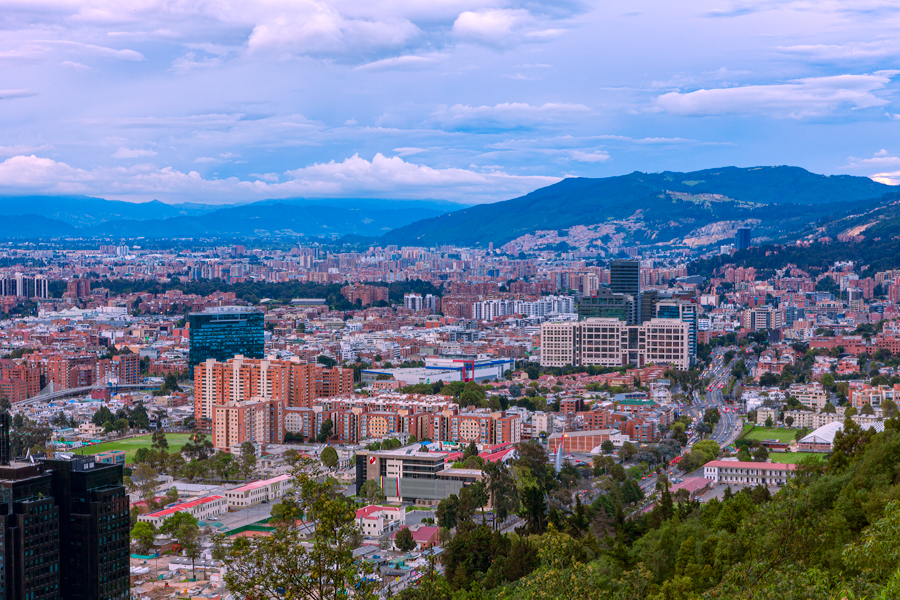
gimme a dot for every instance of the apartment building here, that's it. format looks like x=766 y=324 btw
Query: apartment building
x=258 y=420
x=291 y=382
x=811 y=396
x=874 y=395
x=613 y=343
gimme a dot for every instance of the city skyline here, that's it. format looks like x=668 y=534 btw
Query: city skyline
x=468 y=101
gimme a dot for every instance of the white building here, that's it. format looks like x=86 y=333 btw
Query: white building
x=734 y=472
x=258 y=491
x=203 y=509
x=377 y=520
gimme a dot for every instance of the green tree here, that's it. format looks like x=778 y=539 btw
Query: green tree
x=280 y=566
x=607 y=447
x=198 y=447
x=372 y=492
x=325 y=431
x=330 y=457
x=159 y=440
x=447 y=511
x=247 y=461
x=404 y=540
x=143 y=535
x=867 y=409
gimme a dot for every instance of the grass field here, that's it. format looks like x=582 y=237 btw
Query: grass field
x=132 y=445
x=771 y=433
x=792 y=458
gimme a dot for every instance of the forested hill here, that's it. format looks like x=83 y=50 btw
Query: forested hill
x=704 y=196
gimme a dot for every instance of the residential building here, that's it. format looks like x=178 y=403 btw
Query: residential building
x=259 y=420
x=375 y=521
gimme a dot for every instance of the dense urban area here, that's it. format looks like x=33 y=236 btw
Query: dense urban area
x=307 y=422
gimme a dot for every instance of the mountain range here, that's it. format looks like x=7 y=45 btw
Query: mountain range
x=699 y=208
x=665 y=210
x=81 y=216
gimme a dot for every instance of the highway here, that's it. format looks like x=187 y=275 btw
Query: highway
x=729 y=426
x=84 y=390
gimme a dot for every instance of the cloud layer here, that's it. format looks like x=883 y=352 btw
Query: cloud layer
x=469 y=100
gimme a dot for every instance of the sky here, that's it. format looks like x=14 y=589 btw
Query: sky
x=227 y=101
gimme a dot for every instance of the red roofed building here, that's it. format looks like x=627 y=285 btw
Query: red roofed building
x=202 y=509
x=425 y=537
x=374 y=520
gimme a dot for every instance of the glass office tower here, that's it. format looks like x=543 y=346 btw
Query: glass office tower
x=224 y=332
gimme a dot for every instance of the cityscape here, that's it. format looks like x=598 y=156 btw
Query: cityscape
x=481 y=300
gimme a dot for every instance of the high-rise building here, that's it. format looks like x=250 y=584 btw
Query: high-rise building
x=64 y=528
x=625 y=278
x=94 y=528
x=605 y=304
x=224 y=332
x=742 y=238
x=684 y=311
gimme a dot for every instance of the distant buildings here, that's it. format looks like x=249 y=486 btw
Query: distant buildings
x=223 y=332
x=614 y=343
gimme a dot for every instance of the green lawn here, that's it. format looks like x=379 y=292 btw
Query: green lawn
x=792 y=458
x=747 y=428
x=771 y=433
x=132 y=445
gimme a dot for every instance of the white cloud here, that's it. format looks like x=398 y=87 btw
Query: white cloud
x=590 y=157
x=12 y=94
x=507 y=116
x=800 y=98
x=494 y=26
x=75 y=65
x=355 y=175
x=399 y=62
x=408 y=151
x=22 y=149
x=123 y=152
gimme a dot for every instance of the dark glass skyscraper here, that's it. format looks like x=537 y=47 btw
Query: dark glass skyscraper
x=742 y=238
x=64 y=528
x=224 y=332
x=605 y=304
x=94 y=528
x=625 y=278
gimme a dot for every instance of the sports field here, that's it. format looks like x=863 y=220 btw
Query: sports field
x=132 y=445
x=771 y=433
x=792 y=458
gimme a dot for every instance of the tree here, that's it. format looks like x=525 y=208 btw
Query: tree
x=789 y=420
x=627 y=451
x=159 y=440
x=501 y=486
x=607 y=447
x=146 y=481
x=330 y=457
x=829 y=408
x=143 y=535
x=102 y=416
x=479 y=493
x=171 y=495
x=372 y=492
x=325 y=431
x=867 y=409
x=198 y=447
x=404 y=540
x=248 y=460
x=326 y=360
x=769 y=421
x=466 y=507
x=280 y=566
x=761 y=454
x=471 y=450
x=515 y=391
x=447 y=512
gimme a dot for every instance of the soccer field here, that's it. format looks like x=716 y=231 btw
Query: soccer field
x=792 y=458
x=132 y=445
x=771 y=433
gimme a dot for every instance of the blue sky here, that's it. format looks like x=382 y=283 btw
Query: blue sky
x=465 y=100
